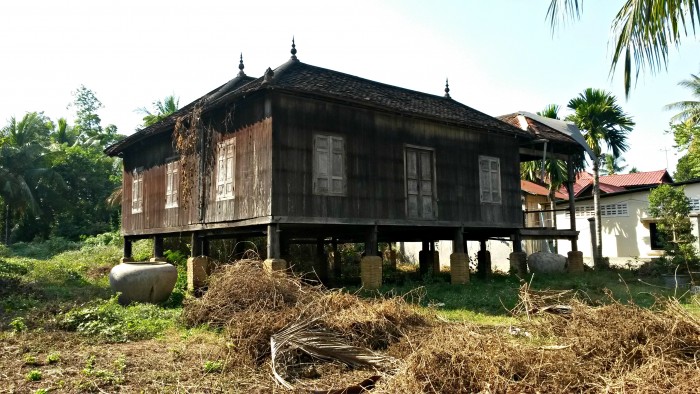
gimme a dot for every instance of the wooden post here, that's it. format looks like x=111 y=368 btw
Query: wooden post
x=158 y=249
x=484 y=257
x=204 y=245
x=337 y=261
x=321 y=261
x=196 y=248
x=572 y=205
x=127 y=251
x=423 y=259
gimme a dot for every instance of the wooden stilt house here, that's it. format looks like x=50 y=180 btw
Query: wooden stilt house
x=307 y=154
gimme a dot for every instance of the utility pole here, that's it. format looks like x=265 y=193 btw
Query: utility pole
x=665 y=150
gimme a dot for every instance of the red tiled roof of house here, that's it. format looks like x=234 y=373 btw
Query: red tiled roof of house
x=618 y=182
x=637 y=179
x=533 y=188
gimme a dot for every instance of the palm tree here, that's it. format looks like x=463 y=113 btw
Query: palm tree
x=644 y=30
x=161 y=110
x=690 y=110
x=604 y=124
x=23 y=156
x=612 y=165
x=550 y=111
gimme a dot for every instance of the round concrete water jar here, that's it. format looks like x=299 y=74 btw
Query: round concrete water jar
x=143 y=282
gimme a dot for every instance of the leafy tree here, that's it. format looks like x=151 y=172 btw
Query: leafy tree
x=634 y=170
x=88 y=123
x=643 y=30
x=612 y=165
x=161 y=110
x=64 y=134
x=604 y=124
x=672 y=207
x=687 y=139
x=27 y=180
x=690 y=109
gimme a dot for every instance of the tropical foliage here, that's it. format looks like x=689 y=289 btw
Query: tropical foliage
x=689 y=109
x=643 y=31
x=605 y=127
x=671 y=206
x=161 y=110
x=687 y=139
x=54 y=177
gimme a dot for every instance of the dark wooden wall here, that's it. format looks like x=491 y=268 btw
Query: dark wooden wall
x=375 y=144
x=247 y=122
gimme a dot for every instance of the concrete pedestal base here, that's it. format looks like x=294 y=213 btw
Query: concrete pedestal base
x=143 y=282
x=158 y=260
x=126 y=260
x=575 y=261
x=273 y=265
x=459 y=268
x=198 y=271
x=518 y=264
x=371 y=272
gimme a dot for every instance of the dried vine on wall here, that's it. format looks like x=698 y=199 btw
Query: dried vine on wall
x=188 y=141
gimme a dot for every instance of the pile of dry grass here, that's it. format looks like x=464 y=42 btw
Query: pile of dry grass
x=613 y=348
x=252 y=304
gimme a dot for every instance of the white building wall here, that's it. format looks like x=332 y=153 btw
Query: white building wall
x=624 y=236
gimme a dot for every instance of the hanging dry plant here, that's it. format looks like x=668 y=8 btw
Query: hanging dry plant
x=187 y=142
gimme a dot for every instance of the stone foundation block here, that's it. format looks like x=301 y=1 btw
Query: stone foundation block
x=483 y=263
x=371 y=272
x=575 y=261
x=518 y=264
x=198 y=270
x=158 y=260
x=273 y=265
x=459 y=268
x=126 y=260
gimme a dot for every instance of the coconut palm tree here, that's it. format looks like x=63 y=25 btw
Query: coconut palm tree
x=612 y=165
x=644 y=30
x=161 y=110
x=690 y=110
x=550 y=111
x=604 y=125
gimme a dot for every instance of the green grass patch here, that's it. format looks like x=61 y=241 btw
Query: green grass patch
x=108 y=321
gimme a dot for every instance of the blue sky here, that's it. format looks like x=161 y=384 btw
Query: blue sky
x=500 y=56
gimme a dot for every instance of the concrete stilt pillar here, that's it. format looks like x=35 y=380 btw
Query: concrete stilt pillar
x=371 y=272
x=459 y=268
x=273 y=261
x=575 y=261
x=424 y=259
x=518 y=264
x=198 y=270
x=337 y=261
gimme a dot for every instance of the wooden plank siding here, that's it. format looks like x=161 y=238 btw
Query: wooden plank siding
x=375 y=143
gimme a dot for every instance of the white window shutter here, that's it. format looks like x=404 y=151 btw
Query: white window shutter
x=322 y=157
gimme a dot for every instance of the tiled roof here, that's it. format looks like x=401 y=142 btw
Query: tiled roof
x=539 y=190
x=637 y=179
x=619 y=182
x=295 y=76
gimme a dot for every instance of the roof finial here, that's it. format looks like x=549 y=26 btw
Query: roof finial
x=447 y=88
x=241 y=67
x=294 y=50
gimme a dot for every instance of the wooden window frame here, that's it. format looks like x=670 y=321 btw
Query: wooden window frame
x=332 y=175
x=433 y=164
x=226 y=169
x=172 y=182
x=137 y=190
x=483 y=179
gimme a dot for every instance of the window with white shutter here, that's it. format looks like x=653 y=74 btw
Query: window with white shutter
x=172 y=181
x=137 y=191
x=329 y=165
x=490 y=179
x=225 y=169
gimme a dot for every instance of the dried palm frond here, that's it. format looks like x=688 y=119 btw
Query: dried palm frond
x=320 y=344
